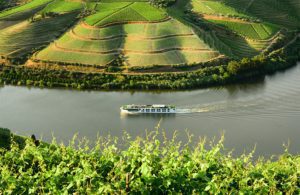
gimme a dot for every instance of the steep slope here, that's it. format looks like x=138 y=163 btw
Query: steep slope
x=144 y=38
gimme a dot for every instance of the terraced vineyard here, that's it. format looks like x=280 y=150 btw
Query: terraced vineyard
x=21 y=38
x=144 y=34
x=137 y=34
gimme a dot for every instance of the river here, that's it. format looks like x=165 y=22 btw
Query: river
x=265 y=113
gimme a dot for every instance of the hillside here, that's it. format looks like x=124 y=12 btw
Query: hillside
x=138 y=36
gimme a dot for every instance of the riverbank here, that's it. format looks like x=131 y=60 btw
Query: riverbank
x=146 y=165
x=233 y=72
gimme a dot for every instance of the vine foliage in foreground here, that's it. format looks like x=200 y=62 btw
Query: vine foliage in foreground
x=142 y=166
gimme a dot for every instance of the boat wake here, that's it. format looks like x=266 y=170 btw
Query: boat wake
x=191 y=110
x=215 y=107
x=198 y=108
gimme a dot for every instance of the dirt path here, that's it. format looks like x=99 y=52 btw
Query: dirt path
x=126 y=51
x=128 y=37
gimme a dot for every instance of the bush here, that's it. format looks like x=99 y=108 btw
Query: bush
x=113 y=69
x=150 y=165
x=4 y=138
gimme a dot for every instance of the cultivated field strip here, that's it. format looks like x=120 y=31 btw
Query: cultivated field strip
x=126 y=51
x=26 y=36
x=130 y=43
x=145 y=30
x=214 y=8
x=129 y=37
x=256 y=31
x=278 y=12
x=22 y=15
x=54 y=54
x=282 y=12
x=112 y=13
x=62 y=7
x=242 y=47
x=170 y=58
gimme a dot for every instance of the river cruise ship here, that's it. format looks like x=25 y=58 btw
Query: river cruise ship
x=148 y=109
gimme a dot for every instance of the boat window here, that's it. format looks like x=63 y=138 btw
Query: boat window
x=152 y=110
x=168 y=110
x=163 y=110
x=147 y=110
x=158 y=110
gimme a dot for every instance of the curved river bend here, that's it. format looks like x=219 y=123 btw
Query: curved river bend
x=265 y=113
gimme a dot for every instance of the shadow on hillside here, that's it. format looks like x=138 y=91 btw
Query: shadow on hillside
x=39 y=34
x=277 y=12
x=238 y=44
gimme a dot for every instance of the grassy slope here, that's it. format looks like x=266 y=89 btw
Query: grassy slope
x=22 y=8
x=118 y=12
x=61 y=6
x=214 y=7
x=256 y=31
x=54 y=55
x=21 y=38
x=136 y=30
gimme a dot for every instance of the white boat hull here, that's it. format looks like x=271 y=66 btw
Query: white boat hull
x=141 y=111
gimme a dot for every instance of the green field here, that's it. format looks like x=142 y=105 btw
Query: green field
x=190 y=42
x=124 y=12
x=99 y=46
x=242 y=47
x=53 y=54
x=214 y=7
x=29 y=6
x=256 y=31
x=62 y=6
x=170 y=58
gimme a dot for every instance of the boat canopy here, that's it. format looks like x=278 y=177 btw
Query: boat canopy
x=147 y=106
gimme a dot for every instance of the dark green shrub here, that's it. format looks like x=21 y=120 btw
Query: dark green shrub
x=5 y=138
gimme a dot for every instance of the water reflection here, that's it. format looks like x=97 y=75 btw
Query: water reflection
x=253 y=86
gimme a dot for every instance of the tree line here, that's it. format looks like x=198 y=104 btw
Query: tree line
x=234 y=71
